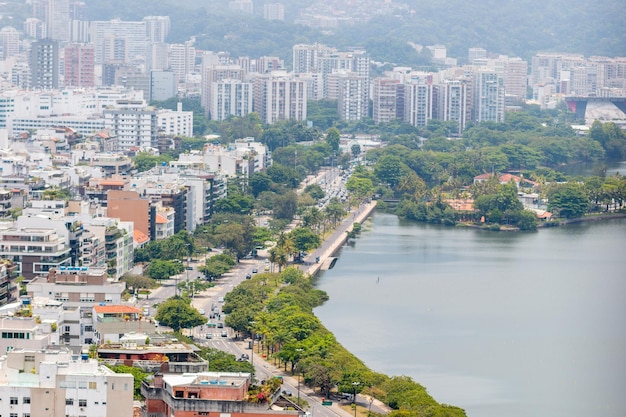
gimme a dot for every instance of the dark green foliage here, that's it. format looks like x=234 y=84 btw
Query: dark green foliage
x=177 y=313
x=138 y=376
x=568 y=200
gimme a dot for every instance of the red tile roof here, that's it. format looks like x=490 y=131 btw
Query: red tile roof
x=119 y=309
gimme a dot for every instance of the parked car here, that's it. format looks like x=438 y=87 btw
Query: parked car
x=224 y=333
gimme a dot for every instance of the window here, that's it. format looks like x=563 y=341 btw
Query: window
x=69 y=401
x=26 y=400
x=82 y=403
x=13 y=415
x=93 y=385
x=13 y=400
x=82 y=384
x=26 y=415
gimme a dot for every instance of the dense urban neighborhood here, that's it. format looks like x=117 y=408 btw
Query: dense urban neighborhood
x=165 y=204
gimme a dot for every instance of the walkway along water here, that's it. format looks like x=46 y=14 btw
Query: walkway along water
x=330 y=246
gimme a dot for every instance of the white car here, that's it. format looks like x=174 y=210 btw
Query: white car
x=201 y=311
x=220 y=300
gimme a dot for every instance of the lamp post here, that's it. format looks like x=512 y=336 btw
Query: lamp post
x=298 y=373
x=252 y=323
x=355 y=384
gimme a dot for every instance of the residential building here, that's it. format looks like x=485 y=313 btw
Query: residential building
x=9 y=42
x=35 y=245
x=385 y=100
x=353 y=95
x=175 y=123
x=453 y=103
x=212 y=73
x=77 y=287
x=489 y=96
x=58 y=20
x=133 y=127
x=230 y=97
x=59 y=383
x=117 y=41
x=148 y=351
x=162 y=85
x=274 y=11
x=157 y=28
x=79 y=65
x=44 y=64
x=206 y=393
x=419 y=101
x=35 y=28
x=181 y=59
x=130 y=207
x=279 y=96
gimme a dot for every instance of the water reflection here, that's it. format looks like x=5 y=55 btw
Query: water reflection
x=514 y=324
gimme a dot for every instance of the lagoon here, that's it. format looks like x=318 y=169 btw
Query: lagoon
x=500 y=324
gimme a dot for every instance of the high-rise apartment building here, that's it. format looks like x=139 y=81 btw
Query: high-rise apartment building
x=213 y=73
x=353 y=95
x=418 y=101
x=157 y=28
x=133 y=128
x=162 y=85
x=58 y=20
x=385 y=100
x=117 y=41
x=306 y=57
x=79 y=65
x=230 y=98
x=489 y=96
x=181 y=58
x=274 y=11
x=9 y=42
x=476 y=53
x=280 y=96
x=35 y=28
x=453 y=103
x=44 y=64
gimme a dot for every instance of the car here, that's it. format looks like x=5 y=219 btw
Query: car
x=201 y=311
x=254 y=271
x=267 y=261
x=224 y=333
x=209 y=336
x=267 y=268
x=220 y=325
x=220 y=300
x=189 y=268
x=287 y=393
x=248 y=276
x=244 y=356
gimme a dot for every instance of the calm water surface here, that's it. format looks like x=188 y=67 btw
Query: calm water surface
x=501 y=324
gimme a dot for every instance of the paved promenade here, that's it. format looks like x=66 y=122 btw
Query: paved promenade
x=335 y=241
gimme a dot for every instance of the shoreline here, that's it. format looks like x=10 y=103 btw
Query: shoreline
x=335 y=241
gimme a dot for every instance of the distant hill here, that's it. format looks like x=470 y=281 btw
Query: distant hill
x=522 y=28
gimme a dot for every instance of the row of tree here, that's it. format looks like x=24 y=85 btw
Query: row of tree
x=278 y=308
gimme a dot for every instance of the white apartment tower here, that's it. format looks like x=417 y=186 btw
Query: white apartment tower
x=385 y=99
x=213 y=73
x=157 y=28
x=230 y=98
x=418 y=102
x=181 y=59
x=453 y=103
x=488 y=96
x=58 y=20
x=353 y=95
x=9 y=42
x=274 y=11
x=116 y=39
x=279 y=96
